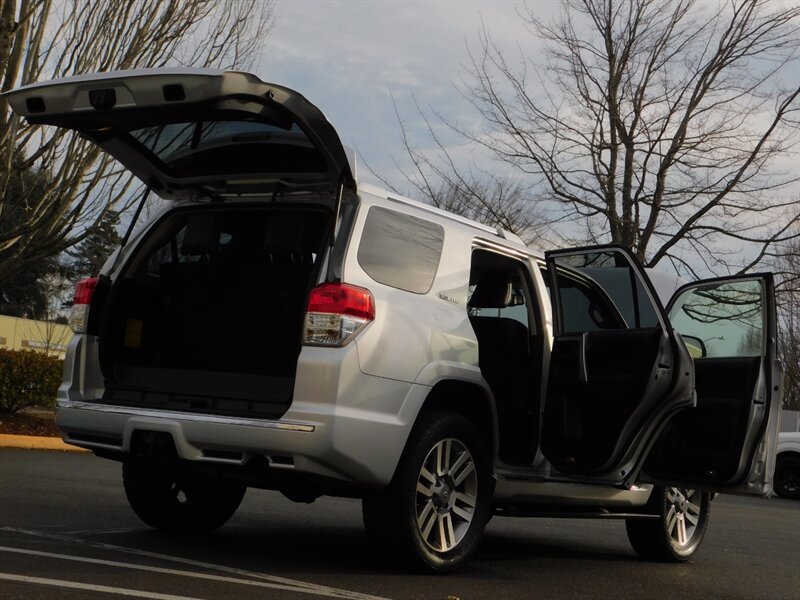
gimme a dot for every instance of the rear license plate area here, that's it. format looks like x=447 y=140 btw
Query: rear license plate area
x=153 y=445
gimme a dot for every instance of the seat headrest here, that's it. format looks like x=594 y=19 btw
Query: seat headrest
x=492 y=291
x=201 y=236
x=285 y=233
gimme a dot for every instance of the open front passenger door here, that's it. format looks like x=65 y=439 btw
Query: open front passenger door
x=727 y=442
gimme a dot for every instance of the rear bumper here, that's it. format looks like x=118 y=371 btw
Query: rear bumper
x=342 y=425
x=366 y=456
x=197 y=437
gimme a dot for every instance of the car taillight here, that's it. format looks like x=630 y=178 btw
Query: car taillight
x=336 y=313
x=81 y=303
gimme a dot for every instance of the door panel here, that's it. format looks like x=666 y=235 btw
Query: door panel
x=590 y=400
x=705 y=442
x=725 y=442
x=615 y=371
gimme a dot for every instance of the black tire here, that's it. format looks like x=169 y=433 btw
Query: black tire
x=173 y=500
x=786 y=481
x=391 y=516
x=661 y=539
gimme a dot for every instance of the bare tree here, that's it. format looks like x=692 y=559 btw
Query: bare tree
x=790 y=357
x=51 y=323
x=787 y=268
x=662 y=126
x=486 y=197
x=43 y=39
x=489 y=199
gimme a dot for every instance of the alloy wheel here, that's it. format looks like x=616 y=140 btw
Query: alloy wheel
x=446 y=496
x=683 y=515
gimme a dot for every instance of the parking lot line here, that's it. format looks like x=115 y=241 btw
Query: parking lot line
x=296 y=585
x=90 y=587
x=104 y=531
x=165 y=571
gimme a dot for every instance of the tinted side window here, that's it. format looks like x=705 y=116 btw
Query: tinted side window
x=601 y=290
x=586 y=307
x=721 y=320
x=400 y=250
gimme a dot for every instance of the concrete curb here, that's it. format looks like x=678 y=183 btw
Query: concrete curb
x=34 y=442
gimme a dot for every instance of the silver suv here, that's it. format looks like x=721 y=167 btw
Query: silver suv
x=280 y=325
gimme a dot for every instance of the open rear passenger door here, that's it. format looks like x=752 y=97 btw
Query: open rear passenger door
x=617 y=370
x=727 y=442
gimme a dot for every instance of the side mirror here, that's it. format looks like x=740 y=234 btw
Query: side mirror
x=696 y=346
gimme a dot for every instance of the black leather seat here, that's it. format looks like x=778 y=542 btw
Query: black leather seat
x=505 y=362
x=191 y=288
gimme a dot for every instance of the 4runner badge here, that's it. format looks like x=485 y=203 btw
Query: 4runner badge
x=447 y=298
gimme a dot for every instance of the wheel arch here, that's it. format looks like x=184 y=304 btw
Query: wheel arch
x=469 y=400
x=787 y=454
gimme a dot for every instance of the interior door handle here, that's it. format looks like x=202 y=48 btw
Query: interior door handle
x=583 y=373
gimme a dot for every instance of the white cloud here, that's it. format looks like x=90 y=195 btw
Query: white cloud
x=348 y=57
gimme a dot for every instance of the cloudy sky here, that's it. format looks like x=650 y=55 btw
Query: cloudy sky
x=350 y=57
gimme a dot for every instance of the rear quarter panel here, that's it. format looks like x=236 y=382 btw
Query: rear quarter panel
x=413 y=331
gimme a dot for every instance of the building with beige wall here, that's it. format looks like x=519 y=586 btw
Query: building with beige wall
x=27 y=334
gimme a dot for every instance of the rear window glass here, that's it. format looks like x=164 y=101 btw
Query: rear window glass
x=236 y=146
x=400 y=250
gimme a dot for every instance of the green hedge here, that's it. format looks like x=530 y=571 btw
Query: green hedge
x=28 y=378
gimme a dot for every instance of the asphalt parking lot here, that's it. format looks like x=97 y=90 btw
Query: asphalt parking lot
x=66 y=532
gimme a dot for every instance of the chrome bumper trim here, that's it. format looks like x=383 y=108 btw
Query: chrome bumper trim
x=204 y=418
